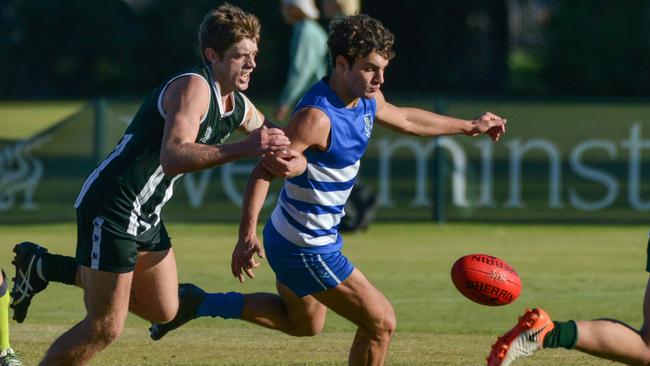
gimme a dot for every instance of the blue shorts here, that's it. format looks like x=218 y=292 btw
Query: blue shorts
x=302 y=270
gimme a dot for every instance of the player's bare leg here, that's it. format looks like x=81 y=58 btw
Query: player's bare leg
x=107 y=302
x=616 y=341
x=154 y=291
x=357 y=300
x=604 y=338
x=288 y=313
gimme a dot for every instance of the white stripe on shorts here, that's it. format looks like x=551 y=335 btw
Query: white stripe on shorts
x=304 y=260
x=328 y=269
x=97 y=242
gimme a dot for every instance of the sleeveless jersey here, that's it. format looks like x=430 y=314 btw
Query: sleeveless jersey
x=129 y=188
x=310 y=206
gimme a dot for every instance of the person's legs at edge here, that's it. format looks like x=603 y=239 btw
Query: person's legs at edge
x=4 y=312
x=605 y=338
x=7 y=355
x=616 y=341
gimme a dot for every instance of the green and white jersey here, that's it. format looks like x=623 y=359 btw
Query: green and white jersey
x=129 y=189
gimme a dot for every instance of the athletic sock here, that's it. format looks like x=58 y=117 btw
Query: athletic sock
x=564 y=334
x=57 y=268
x=228 y=305
x=4 y=314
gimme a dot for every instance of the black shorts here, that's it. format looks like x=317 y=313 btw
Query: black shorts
x=98 y=247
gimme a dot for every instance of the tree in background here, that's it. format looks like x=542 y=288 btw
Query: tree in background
x=72 y=48
x=598 y=48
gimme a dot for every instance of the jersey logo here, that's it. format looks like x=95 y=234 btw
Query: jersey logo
x=206 y=135
x=367 y=121
x=224 y=138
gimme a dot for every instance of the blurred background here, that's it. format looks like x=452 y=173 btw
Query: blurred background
x=79 y=49
x=571 y=77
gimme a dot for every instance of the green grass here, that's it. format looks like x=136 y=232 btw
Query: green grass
x=21 y=120
x=577 y=272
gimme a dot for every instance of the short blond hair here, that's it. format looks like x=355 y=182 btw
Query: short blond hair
x=224 y=26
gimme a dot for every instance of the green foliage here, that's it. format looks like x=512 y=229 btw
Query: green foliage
x=87 y=48
x=106 y=47
x=598 y=48
x=573 y=272
x=525 y=73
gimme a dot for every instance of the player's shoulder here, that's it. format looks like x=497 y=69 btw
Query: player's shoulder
x=311 y=117
x=379 y=102
x=310 y=125
x=189 y=83
x=312 y=113
x=379 y=98
x=320 y=97
x=188 y=87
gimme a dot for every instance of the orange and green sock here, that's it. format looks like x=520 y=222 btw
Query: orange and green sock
x=564 y=334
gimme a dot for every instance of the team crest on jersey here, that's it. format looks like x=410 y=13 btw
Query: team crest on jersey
x=367 y=121
x=224 y=138
x=206 y=135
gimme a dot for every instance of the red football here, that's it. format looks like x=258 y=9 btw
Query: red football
x=486 y=279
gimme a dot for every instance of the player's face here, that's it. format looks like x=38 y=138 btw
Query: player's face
x=366 y=75
x=233 y=69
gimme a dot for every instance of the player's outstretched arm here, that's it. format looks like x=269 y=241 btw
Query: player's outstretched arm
x=286 y=163
x=419 y=122
x=248 y=244
x=309 y=128
x=185 y=102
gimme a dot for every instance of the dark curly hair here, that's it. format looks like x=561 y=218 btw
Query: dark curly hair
x=226 y=25
x=356 y=36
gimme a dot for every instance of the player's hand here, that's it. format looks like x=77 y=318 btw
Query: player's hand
x=242 y=257
x=489 y=124
x=264 y=139
x=286 y=163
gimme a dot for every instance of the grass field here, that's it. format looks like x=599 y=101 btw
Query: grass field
x=578 y=272
x=20 y=120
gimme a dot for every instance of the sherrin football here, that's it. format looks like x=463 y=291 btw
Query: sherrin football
x=486 y=280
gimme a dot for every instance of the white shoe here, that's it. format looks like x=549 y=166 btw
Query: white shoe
x=526 y=337
x=9 y=358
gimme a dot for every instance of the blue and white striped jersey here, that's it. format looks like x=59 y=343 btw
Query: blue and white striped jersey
x=310 y=206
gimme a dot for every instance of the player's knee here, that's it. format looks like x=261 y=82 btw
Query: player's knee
x=104 y=332
x=384 y=325
x=165 y=312
x=163 y=315
x=155 y=312
x=305 y=329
